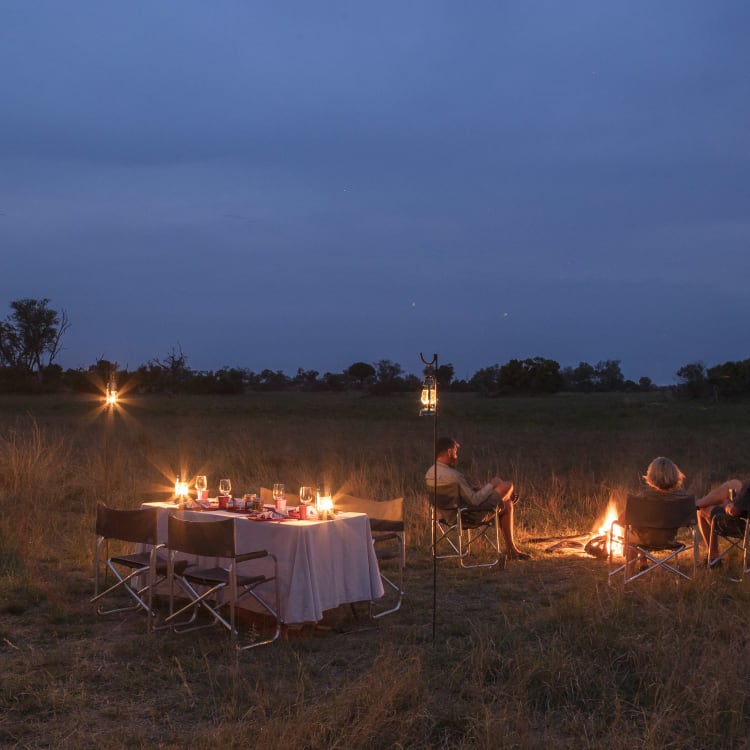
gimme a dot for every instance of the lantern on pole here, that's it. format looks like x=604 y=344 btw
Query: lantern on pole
x=429 y=397
x=428 y=408
x=110 y=399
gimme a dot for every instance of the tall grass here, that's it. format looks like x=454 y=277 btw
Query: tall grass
x=542 y=654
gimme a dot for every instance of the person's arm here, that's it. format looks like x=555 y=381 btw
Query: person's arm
x=473 y=496
x=719 y=495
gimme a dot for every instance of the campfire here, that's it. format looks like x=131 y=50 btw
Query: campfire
x=595 y=543
x=598 y=545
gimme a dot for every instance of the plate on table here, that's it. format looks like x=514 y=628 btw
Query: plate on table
x=267 y=515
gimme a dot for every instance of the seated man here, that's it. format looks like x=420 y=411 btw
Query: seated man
x=731 y=498
x=497 y=492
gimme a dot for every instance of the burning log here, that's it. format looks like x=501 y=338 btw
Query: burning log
x=598 y=546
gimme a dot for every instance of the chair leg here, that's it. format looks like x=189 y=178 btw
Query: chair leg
x=480 y=535
x=388 y=583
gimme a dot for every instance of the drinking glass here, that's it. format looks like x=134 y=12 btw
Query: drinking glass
x=201 y=483
x=279 y=491
x=306 y=495
x=225 y=486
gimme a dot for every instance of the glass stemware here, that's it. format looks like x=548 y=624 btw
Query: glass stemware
x=225 y=486
x=201 y=488
x=306 y=495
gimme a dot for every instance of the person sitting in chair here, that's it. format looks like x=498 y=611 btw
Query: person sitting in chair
x=497 y=492
x=731 y=499
x=664 y=482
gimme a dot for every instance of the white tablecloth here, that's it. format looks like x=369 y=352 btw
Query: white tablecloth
x=322 y=564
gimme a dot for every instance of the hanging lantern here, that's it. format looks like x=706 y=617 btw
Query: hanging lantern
x=429 y=397
x=110 y=398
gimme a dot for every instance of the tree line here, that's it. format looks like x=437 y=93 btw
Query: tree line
x=30 y=341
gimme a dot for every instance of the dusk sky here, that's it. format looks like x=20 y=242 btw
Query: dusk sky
x=308 y=184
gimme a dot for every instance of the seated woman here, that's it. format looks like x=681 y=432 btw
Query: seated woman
x=664 y=482
x=729 y=498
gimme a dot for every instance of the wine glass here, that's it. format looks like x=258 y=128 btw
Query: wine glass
x=201 y=484
x=225 y=486
x=306 y=495
x=279 y=491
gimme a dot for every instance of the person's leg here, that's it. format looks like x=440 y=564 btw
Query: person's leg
x=704 y=526
x=508 y=531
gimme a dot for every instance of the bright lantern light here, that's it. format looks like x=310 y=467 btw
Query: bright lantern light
x=180 y=489
x=110 y=398
x=429 y=396
x=324 y=504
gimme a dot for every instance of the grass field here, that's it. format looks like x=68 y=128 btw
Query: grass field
x=543 y=654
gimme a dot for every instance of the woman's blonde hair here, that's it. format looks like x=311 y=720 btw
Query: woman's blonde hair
x=663 y=474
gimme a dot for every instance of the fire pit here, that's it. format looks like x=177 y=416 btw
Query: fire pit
x=595 y=543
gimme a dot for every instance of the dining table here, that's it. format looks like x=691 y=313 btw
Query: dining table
x=322 y=563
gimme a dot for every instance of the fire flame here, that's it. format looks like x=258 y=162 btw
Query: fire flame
x=606 y=525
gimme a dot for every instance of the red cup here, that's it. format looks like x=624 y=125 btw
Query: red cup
x=223 y=500
x=303 y=513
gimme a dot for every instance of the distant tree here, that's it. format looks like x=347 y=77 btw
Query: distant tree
x=30 y=336
x=730 y=378
x=361 y=372
x=608 y=376
x=388 y=378
x=273 y=380
x=485 y=380
x=444 y=375
x=387 y=371
x=335 y=381
x=579 y=379
x=460 y=386
x=531 y=375
x=512 y=378
x=693 y=378
x=306 y=380
x=645 y=384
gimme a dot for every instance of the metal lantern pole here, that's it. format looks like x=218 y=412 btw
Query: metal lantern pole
x=429 y=408
x=110 y=404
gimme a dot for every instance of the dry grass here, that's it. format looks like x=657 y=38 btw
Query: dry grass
x=542 y=654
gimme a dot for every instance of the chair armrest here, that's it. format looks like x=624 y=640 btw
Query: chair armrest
x=385 y=537
x=251 y=555
x=377 y=524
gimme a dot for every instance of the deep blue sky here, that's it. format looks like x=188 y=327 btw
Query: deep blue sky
x=308 y=184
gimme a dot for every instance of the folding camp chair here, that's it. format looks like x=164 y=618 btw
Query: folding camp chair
x=219 y=585
x=387 y=526
x=457 y=528
x=665 y=519
x=731 y=533
x=136 y=574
